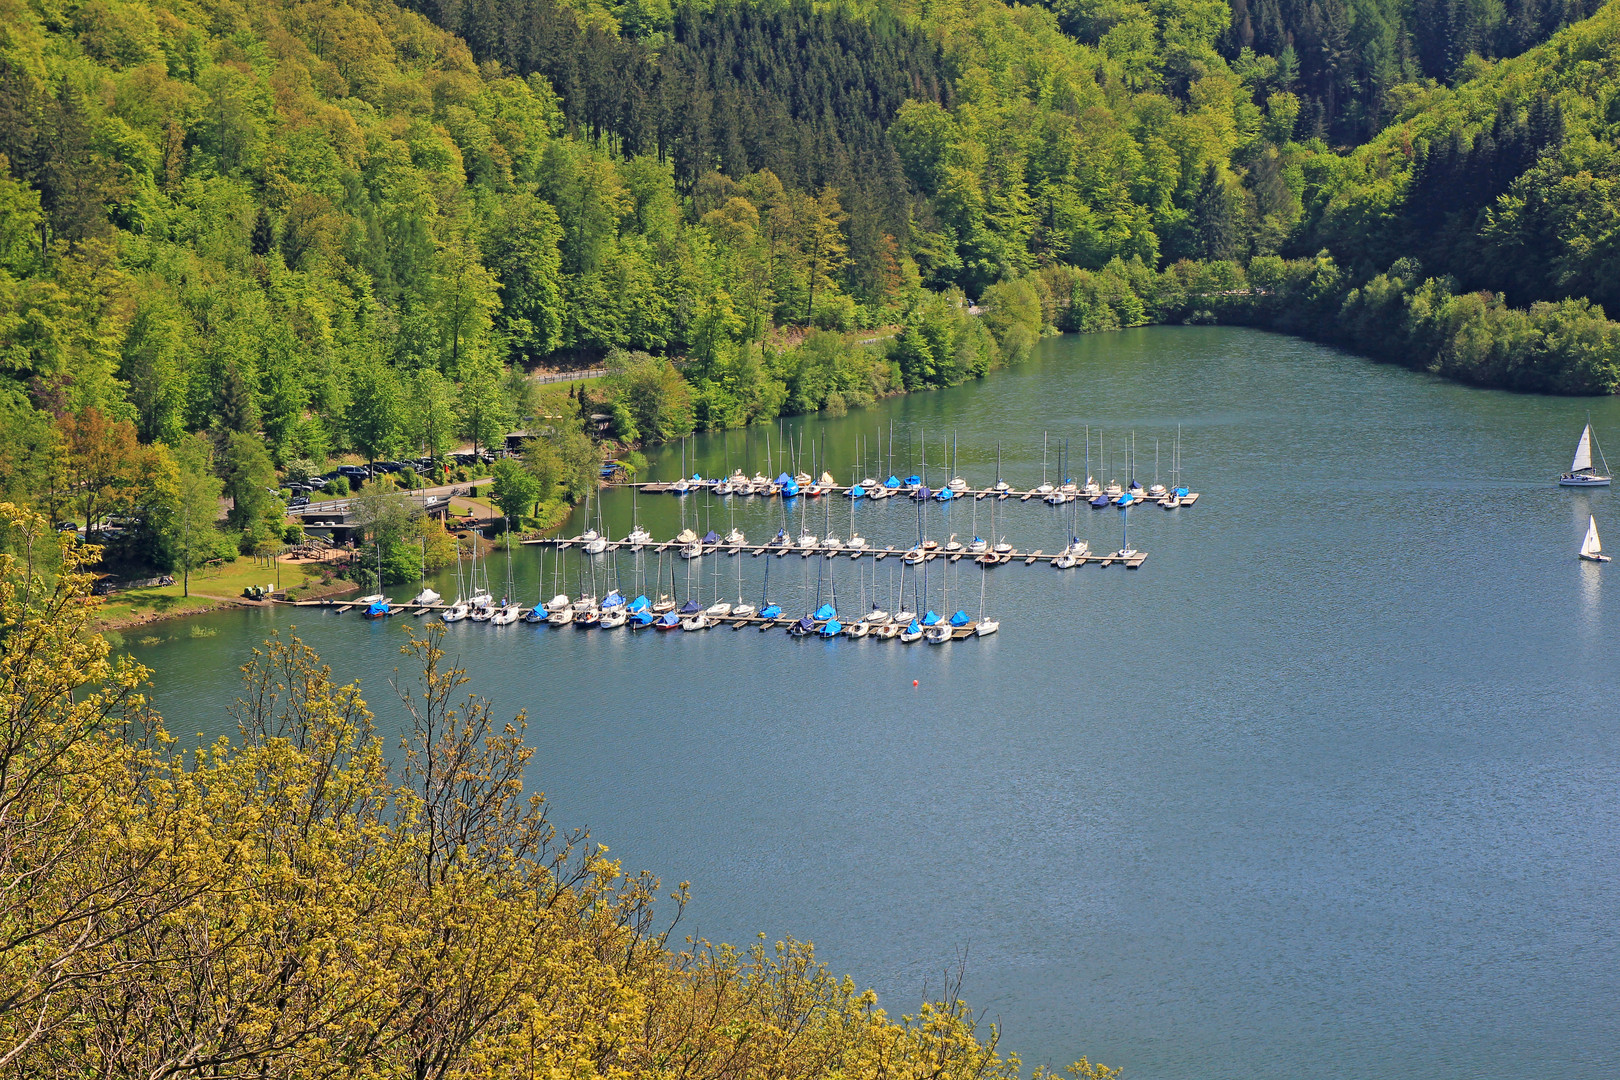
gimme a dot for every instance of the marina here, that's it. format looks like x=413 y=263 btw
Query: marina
x=1292 y=725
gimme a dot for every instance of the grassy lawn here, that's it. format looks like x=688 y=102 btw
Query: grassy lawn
x=226 y=579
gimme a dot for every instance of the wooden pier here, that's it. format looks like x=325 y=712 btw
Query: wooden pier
x=1132 y=560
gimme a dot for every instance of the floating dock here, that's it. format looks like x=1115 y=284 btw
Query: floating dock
x=1131 y=560
x=812 y=491
x=716 y=622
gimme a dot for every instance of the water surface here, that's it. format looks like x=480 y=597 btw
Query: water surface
x=1329 y=783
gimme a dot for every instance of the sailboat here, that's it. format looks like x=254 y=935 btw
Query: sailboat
x=509 y=609
x=615 y=609
x=856 y=540
x=638 y=537
x=1125 y=550
x=427 y=596
x=1592 y=547
x=1045 y=486
x=482 y=604
x=538 y=613
x=720 y=608
x=598 y=543
x=1581 y=473
x=376 y=606
x=984 y=627
x=458 y=610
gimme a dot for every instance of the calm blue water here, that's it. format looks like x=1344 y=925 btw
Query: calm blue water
x=1329 y=787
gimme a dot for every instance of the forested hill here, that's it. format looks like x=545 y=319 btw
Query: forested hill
x=808 y=95
x=1352 y=61
x=1507 y=182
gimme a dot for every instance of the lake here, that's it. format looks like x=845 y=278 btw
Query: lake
x=1331 y=785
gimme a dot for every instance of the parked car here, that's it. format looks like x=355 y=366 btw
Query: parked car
x=299 y=499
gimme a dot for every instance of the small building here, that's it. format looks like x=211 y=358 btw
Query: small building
x=337 y=522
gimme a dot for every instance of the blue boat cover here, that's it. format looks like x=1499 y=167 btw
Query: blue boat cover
x=960 y=619
x=790 y=489
x=698 y=477
x=669 y=618
x=807 y=624
x=913 y=628
x=826 y=611
x=1101 y=500
x=923 y=493
x=857 y=491
x=1182 y=492
x=1126 y=499
x=930 y=618
x=944 y=494
x=691 y=607
x=832 y=629
x=711 y=537
x=378 y=608
x=642 y=618
x=784 y=479
x=913 y=481
x=639 y=604
x=771 y=611
x=892 y=482
x=613 y=599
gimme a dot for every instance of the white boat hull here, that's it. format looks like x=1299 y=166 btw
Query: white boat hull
x=1583 y=481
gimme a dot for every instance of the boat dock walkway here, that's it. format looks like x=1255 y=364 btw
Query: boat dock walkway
x=735 y=622
x=1131 y=560
x=814 y=490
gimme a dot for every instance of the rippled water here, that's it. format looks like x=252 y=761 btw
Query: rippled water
x=1327 y=788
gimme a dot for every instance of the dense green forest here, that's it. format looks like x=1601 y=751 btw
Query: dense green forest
x=238 y=242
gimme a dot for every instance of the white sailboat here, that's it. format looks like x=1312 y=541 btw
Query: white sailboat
x=481 y=605
x=984 y=627
x=1592 y=547
x=460 y=609
x=1581 y=473
x=427 y=597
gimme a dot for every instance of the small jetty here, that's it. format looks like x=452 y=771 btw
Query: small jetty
x=1130 y=559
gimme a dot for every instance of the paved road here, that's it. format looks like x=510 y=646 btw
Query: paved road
x=570 y=376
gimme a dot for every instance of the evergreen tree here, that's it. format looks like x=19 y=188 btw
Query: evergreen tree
x=1216 y=218
x=263 y=240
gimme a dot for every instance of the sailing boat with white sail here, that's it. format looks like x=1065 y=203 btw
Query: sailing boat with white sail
x=1581 y=473
x=1592 y=547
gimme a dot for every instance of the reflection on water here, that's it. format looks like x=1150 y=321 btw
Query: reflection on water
x=1331 y=779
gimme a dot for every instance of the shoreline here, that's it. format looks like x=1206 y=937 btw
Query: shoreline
x=210 y=603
